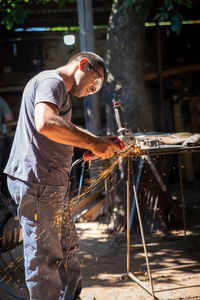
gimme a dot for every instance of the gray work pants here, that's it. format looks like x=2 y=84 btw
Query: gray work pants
x=49 y=238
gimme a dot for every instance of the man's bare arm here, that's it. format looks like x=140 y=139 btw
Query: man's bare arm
x=48 y=123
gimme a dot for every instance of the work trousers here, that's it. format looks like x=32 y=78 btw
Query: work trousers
x=49 y=239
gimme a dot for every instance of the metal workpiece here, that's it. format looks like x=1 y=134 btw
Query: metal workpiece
x=131 y=275
x=140 y=149
x=127 y=137
x=152 y=143
x=167 y=149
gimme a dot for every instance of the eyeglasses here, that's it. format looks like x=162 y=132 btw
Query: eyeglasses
x=93 y=67
x=98 y=82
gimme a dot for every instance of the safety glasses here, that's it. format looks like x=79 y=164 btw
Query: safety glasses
x=98 y=82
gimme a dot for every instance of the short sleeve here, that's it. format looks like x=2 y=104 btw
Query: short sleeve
x=50 y=90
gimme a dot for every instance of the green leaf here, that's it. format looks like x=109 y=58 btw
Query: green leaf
x=176 y=22
x=161 y=8
x=169 y=5
x=157 y=17
x=61 y=3
x=7 y=21
x=188 y=4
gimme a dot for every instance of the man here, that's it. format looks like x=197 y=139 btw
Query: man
x=38 y=170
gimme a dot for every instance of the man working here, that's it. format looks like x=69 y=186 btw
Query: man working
x=38 y=169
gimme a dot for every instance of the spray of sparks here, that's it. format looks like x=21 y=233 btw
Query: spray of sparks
x=105 y=171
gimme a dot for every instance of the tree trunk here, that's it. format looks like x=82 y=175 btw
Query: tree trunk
x=124 y=61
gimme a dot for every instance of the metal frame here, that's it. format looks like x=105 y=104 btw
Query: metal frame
x=144 y=154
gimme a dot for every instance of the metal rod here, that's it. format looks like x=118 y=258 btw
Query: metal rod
x=167 y=149
x=139 y=282
x=169 y=268
x=137 y=186
x=79 y=190
x=182 y=201
x=81 y=178
x=178 y=288
x=128 y=214
x=108 y=198
x=142 y=234
x=106 y=189
x=154 y=213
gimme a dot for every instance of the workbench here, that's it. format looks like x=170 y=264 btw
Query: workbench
x=145 y=153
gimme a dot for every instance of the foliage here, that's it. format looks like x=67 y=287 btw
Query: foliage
x=128 y=5
x=169 y=11
x=14 y=12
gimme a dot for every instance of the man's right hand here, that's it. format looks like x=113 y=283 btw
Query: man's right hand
x=105 y=147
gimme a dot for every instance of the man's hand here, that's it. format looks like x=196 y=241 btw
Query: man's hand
x=105 y=147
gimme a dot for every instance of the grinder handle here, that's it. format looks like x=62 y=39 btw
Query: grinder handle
x=119 y=115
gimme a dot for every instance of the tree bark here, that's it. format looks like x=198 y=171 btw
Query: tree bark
x=124 y=60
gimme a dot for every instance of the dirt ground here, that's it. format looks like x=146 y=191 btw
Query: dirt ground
x=103 y=263
x=103 y=260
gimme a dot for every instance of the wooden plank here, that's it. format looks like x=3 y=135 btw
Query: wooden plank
x=84 y=202
x=95 y=211
x=174 y=71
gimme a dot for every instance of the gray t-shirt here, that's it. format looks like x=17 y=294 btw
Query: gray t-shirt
x=34 y=157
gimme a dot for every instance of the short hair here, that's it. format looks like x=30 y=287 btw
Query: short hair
x=93 y=58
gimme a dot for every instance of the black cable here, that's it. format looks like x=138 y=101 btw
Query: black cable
x=8 y=292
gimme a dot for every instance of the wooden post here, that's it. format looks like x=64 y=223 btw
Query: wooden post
x=86 y=33
x=160 y=77
x=187 y=159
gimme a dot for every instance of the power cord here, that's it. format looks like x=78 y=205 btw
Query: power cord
x=8 y=292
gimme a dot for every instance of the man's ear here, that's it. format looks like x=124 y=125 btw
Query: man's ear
x=83 y=64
